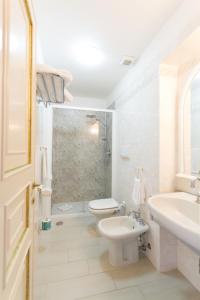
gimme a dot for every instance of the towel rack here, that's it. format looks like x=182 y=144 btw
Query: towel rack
x=51 y=85
x=50 y=88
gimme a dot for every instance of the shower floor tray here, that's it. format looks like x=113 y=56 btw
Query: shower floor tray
x=69 y=208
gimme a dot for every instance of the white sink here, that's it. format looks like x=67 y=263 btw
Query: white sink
x=179 y=214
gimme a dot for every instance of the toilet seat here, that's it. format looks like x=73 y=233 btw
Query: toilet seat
x=103 y=206
x=108 y=203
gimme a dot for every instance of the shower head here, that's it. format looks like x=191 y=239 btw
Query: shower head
x=91 y=116
x=91 y=119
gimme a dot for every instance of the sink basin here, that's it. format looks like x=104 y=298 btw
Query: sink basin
x=180 y=214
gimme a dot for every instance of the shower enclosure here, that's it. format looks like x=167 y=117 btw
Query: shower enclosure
x=81 y=158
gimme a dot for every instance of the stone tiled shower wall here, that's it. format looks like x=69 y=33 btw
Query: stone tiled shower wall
x=81 y=161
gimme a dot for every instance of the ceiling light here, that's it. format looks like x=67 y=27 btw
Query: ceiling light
x=89 y=55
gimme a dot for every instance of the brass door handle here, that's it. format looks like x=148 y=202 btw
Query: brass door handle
x=35 y=185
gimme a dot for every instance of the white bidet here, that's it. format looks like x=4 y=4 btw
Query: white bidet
x=122 y=233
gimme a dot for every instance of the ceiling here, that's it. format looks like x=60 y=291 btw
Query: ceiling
x=116 y=27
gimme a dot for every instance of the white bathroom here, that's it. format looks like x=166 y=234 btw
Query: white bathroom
x=117 y=155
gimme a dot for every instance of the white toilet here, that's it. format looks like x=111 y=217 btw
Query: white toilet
x=122 y=233
x=103 y=208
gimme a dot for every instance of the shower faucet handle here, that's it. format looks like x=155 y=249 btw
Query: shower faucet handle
x=108 y=152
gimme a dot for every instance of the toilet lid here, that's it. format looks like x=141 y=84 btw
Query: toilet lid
x=103 y=203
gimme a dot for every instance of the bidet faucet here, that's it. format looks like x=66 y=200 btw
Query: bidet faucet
x=137 y=216
x=134 y=214
x=193 y=185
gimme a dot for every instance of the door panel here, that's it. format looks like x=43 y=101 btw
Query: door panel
x=16 y=218
x=17 y=96
x=16 y=149
x=20 y=288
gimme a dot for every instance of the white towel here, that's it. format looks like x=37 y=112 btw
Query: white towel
x=67 y=76
x=138 y=194
x=68 y=96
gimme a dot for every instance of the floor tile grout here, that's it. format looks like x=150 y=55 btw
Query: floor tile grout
x=115 y=278
x=74 y=277
x=104 y=293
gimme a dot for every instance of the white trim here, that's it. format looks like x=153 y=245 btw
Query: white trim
x=181 y=103
x=114 y=156
x=80 y=108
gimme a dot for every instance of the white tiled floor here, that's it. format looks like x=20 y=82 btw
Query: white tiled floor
x=73 y=264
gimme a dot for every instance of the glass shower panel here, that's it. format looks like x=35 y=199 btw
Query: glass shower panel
x=82 y=158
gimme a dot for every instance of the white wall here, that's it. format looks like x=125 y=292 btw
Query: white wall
x=167 y=127
x=137 y=100
x=39 y=54
x=137 y=131
x=88 y=102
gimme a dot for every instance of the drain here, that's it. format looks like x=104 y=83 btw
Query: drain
x=59 y=223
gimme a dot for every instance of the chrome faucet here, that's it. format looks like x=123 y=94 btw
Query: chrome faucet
x=137 y=216
x=193 y=185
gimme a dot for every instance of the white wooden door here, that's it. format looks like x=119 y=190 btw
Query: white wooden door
x=16 y=149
